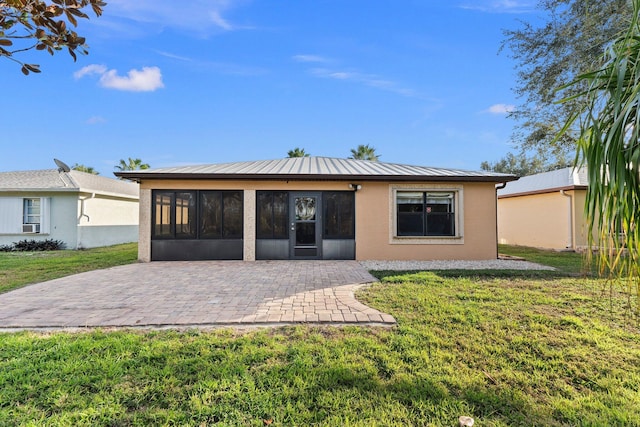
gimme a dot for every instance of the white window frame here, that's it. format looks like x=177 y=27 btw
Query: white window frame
x=43 y=217
x=28 y=217
x=458 y=210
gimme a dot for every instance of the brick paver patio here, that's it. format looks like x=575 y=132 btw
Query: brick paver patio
x=195 y=294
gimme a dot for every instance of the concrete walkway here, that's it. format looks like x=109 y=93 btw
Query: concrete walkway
x=195 y=294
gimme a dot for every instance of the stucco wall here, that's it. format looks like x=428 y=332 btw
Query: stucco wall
x=580 y=222
x=374 y=217
x=542 y=220
x=105 y=220
x=375 y=224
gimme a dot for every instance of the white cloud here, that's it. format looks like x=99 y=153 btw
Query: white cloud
x=310 y=58
x=147 y=79
x=228 y=68
x=218 y=20
x=90 y=70
x=201 y=16
x=95 y=120
x=173 y=56
x=501 y=6
x=501 y=109
x=365 y=79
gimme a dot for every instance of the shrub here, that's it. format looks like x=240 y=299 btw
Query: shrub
x=38 y=245
x=6 y=248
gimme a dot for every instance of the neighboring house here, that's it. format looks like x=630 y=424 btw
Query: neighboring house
x=316 y=208
x=80 y=209
x=544 y=210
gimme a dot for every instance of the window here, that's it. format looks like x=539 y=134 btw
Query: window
x=31 y=211
x=31 y=215
x=272 y=215
x=339 y=215
x=425 y=213
x=197 y=215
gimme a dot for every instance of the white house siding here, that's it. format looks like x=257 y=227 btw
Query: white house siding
x=11 y=215
x=104 y=220
x=57 y=221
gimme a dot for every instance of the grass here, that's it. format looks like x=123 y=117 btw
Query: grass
x=565 y=262
x=18 y=269
x=504 y=350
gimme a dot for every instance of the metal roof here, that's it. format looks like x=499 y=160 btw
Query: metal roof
x=547 y=182
x=57 y=181
x=316 y=168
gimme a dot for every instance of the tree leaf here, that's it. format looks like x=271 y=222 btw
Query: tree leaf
x=35 y=68
x=6 y=42
x=70 y=17
x=77 y=12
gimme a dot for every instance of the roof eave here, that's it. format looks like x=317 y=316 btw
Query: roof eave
x=138 y=177
x=41 y=190
x=543 y=191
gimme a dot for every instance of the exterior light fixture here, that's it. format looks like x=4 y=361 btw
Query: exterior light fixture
x=355 y=187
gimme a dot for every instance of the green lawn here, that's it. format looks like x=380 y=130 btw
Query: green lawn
x=22 y=268
x=519 y=350
x=565 y=262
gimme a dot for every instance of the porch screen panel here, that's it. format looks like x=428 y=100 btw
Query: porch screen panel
x=210 y=214
x=272 y=210
x=185 y=215
x=339 y=215
x=162 y=212
x=232 y=220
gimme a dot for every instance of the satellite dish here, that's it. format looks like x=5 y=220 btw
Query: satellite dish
x=62 y=166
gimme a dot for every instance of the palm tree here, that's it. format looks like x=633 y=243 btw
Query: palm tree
x=609 y=145
x=131 y=165
x=297 y=152
x=364 y=152
x=83 y=168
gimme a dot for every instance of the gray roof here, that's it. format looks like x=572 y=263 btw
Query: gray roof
x=316 y=168
x=547 y=182
x=73 y=181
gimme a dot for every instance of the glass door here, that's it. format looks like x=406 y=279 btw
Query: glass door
x=305 y=225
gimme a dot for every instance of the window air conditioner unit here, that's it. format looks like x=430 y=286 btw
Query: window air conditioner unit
x=30 y=228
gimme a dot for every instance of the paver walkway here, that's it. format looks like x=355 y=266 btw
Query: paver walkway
x=195 y=294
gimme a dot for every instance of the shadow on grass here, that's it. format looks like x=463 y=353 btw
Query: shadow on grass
x=485 y=274
x=431 y=401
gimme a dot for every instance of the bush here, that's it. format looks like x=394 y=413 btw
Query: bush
x=34 y=245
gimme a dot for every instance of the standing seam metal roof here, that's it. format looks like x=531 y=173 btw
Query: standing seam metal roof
x=314 y=168
x=546 y=182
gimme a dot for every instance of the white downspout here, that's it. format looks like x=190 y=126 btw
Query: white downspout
x=498 y=187
x=570 y=219
x=82 y=211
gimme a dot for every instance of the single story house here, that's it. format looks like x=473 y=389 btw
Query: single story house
x=316 y=208
x=544 y=210
x=80 y=209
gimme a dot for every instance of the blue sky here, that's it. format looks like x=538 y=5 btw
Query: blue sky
x=209 y=81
